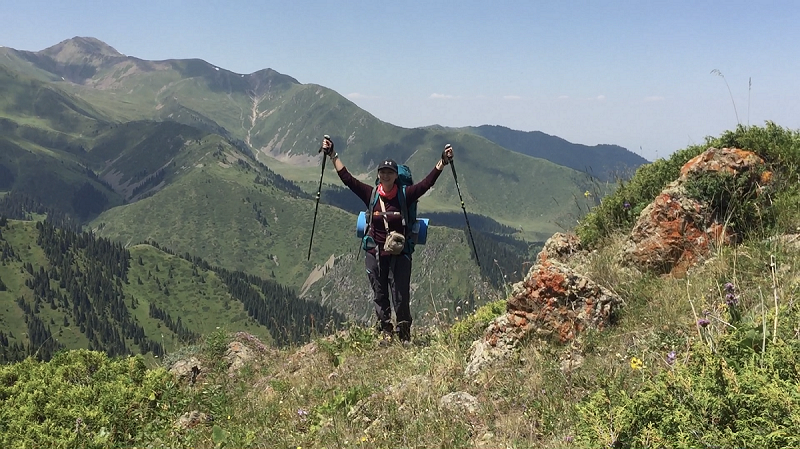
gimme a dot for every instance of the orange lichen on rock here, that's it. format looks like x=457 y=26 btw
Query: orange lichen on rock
x=676 y=231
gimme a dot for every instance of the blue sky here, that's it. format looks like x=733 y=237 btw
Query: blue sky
x=631 y=73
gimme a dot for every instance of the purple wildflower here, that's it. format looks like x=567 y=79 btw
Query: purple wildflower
x=568 y=438
x=671 y=357
x=302 y=413
x=703 y=322
x=731 y=299
x=729 y=287
x=626 y=205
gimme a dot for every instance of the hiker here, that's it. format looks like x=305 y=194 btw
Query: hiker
x=380 y=263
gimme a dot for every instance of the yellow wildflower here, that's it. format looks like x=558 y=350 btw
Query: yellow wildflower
x=636 y=363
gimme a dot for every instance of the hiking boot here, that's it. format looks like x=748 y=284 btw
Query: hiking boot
x=404 y=332
x=385 y=333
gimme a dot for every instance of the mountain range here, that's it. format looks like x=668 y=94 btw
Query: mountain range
x=224 y=167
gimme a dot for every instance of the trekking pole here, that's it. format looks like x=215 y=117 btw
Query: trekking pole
x=455 y=177
x=319 y=190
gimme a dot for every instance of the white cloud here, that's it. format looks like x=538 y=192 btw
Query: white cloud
x=563 y=97
x=653 y=98
x=600 y=97
x=358 y=96
x=512 y=97
x=436 y=96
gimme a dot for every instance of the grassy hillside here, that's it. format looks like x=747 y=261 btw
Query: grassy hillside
x=217 y=213
x=64 y=290
x=201 y=306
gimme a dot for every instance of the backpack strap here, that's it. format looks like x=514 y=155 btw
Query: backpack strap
x=373 y=201
x=404 y=210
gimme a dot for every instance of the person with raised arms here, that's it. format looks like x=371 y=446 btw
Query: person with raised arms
x=386 y=241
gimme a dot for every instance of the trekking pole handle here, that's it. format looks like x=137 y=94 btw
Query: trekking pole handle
x=447 y=158
x=325 y=137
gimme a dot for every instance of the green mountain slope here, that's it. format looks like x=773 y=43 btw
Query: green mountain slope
x=61 y=289
x=224 y=210
x=605 y=162
x=281 y=120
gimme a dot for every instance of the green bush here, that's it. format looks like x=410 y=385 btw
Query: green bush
x=779 y=147
x=734 y=396
x=737 y=201
x=472 y=326
x=84 y=399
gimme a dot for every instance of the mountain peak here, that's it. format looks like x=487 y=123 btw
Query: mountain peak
x=80 y=46
x=79 y=58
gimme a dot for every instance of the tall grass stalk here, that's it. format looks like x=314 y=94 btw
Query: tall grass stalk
x=717 y=72
x=772 y=266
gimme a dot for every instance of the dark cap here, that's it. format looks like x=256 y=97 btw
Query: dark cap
x=388 y=163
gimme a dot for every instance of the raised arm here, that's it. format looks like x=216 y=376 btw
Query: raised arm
x=363 y=190
x=417 y=190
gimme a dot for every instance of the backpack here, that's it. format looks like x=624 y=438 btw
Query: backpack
x=417 y=232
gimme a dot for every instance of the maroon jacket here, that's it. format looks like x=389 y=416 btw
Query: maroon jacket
x=378 y=228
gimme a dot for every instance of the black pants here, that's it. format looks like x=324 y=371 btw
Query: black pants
x=390 y=273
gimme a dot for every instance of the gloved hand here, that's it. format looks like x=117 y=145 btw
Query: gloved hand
x=327 y=147
x=447 y=154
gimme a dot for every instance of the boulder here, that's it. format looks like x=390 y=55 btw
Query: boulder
x=237 y=355
x=186 y=370
x=561 y=247
x=460 y=403
x=553 y=302
x=558 y=302
x=192 y=419
x=676 y=231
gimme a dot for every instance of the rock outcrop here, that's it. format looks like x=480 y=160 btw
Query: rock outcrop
x=553 y=302
x=676 y=231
